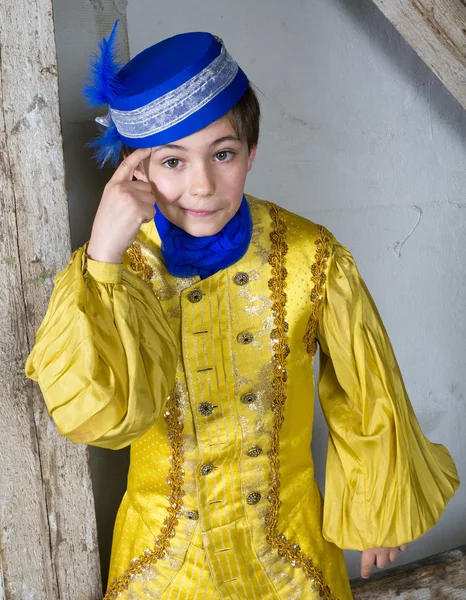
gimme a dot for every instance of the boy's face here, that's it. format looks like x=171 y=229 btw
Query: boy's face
x=198 y=181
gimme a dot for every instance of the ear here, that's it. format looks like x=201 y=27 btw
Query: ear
x=139 y=171
x=252 y=156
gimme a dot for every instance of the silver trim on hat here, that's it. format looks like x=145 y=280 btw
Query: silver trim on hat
x=104 y=121
x=176 y=105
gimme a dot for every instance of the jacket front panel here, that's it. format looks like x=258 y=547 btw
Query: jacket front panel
x=245 y=393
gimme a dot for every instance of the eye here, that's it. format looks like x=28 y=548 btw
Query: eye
x=172 y=163
x=224 y=155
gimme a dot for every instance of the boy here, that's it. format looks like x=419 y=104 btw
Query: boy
x=187 y=328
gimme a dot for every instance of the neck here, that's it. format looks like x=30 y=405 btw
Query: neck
x=187 y=256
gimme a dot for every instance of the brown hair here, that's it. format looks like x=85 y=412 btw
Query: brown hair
x=245 y=117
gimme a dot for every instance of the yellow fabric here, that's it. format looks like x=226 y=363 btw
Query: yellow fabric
x=386 y=484
x=104 y=272
x=104 y=355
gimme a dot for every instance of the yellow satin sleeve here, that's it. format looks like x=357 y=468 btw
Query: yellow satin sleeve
x=105 y=355
x=386 y=484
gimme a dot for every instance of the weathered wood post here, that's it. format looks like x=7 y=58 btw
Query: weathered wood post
x=436 y=29
x=48 y=542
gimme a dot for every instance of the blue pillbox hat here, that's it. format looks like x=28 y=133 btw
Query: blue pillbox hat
x=165 y=93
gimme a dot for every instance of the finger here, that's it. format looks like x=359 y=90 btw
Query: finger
x=130 y=163
x=149 y=215
x=133 y=190
x=147 y=197
x=367 y=562
x=393 y=555
x=141 y=186
x=403 y=548
x=146 y=212
x=382 y=560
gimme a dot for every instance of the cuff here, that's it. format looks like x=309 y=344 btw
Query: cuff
x=104 y=272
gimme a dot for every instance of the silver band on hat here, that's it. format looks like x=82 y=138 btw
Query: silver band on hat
x=176 y=105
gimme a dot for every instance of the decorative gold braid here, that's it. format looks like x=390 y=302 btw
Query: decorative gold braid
x=138 y=263
x=277 y=284
x=174 y=420
x=318 y=278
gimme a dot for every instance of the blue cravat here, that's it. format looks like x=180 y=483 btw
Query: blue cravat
x=186 y=255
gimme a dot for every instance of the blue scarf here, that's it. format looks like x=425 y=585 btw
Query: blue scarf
x=186 y=255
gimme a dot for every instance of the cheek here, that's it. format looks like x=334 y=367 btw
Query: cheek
x=166 y=185
x=236 y=176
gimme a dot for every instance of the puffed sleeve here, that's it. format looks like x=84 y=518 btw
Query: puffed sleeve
x=104 y=356
x=386 y=484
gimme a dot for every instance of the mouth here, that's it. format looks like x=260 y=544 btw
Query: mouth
x=199 y=213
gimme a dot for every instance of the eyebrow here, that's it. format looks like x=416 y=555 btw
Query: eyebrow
x=221 y=140
x=226 y=138
x=169 y=147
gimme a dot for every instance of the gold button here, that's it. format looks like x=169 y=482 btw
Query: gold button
x=253 y=498
x=195 y=296
x=245 y=338
x=248 y=398
x=192 y=515
x=207 y=468
x=241 y=278
x=206 y=409
x=254 y=451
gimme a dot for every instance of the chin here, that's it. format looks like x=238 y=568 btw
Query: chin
x=203 y=231
x=200 y=229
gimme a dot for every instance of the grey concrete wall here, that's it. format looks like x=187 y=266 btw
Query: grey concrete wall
x=359 y=135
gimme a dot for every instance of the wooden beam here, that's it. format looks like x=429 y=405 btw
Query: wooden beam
x=436 y=29
x=48 y=541
x=438 y=577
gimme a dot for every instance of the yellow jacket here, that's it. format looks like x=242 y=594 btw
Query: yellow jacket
x=221 y=499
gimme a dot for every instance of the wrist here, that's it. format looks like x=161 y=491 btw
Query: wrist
x=103 y=255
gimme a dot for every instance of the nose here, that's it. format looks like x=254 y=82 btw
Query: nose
x=202 y=181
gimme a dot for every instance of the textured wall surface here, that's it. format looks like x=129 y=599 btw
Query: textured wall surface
x=357 y=134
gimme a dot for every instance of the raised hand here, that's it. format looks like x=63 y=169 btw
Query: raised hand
x=125 y=204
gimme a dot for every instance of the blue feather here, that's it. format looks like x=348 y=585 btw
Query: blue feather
x=101 y=85
x=107 y=146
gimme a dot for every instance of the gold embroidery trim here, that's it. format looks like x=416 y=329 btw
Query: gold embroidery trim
x=318 y=277
x=277 y=284
x=174 y=420
x=138 y=263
